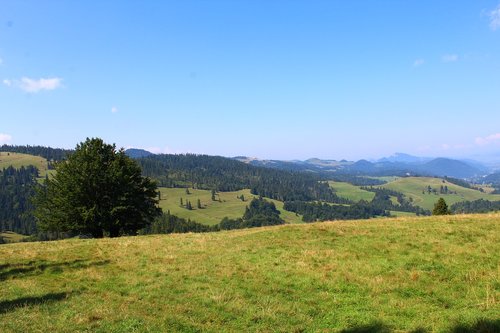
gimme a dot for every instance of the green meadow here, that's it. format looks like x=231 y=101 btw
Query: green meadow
x=226 y=204
x=413 y=186
x=11 y=237
x=427 y=274
x=18 y=160
x=351 y=192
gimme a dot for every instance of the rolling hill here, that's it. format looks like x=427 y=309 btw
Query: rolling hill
x=18 y=160
x=436 y=274
x=213 y=212
x=414 y=186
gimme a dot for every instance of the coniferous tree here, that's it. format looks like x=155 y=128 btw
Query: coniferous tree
x=441 y=208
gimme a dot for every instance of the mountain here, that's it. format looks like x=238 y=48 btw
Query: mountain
x=137 y=153
x=494 y=178
x=448 y=167
x=404 y=158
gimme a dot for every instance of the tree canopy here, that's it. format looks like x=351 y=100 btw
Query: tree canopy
x=99 y=191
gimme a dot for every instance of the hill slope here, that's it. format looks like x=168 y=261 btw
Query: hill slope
x=227 y=204
x=426 y=274
x=413 y=186
x=18 y=160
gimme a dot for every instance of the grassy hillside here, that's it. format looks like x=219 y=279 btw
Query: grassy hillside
x=11 y=237
x=405 y=274
x=214 y=211
x=18 y=160
x=413 y=187
x=351 y=192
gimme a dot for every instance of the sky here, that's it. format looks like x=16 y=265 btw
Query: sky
x=273 y=79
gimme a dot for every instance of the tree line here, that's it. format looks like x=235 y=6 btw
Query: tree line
x=17 y=186
x=317 y=211
x=476 y=206
x=50 y=154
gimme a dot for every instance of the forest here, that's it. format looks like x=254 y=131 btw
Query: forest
x=317 y=211
x=17 y=186
x=224 y=174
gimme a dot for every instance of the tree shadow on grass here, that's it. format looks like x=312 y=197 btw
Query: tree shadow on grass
x=8 y=306
x=376 y=327
x=479 y=326
x=38 y=267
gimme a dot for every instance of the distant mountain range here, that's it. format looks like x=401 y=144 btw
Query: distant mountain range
x=399 y=164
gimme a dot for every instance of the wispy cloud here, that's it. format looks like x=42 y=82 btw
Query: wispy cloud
x=5 y=138
x=483 y=141
x=1 y=61
x=114 y=109
x=418 y=62
x=495 y=18
x=449 y=58
x=35 y=85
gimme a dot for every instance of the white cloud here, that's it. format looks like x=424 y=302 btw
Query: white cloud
x=418 y=62
x=114 y=109
x=449 y=58
x=34 y=85
x=495 y=18
x=1 y=61
x=5 y=138
x=493 y=138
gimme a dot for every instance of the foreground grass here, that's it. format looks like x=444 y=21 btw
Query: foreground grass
x=227 y=204
x=405 y=274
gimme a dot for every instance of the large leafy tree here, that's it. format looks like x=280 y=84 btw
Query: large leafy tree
x=98 y=190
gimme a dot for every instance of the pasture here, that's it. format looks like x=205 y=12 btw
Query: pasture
x=226 y=204
x=426 y=274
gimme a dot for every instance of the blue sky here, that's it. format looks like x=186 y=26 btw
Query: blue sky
x=271 y=79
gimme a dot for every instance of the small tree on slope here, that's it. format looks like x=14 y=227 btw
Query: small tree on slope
x=440 y=208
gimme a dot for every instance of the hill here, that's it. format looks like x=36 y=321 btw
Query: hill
x=18 y=160
x=451 y=168
x=137 y=153
x=407 y=274
x=414 y=187
x=227 y=204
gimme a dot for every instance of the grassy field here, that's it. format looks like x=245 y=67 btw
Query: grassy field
x=213 y=212
x=426 y=274
x=18 y=160
x=11 y=237
x=413 y=187
x=351 y=192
